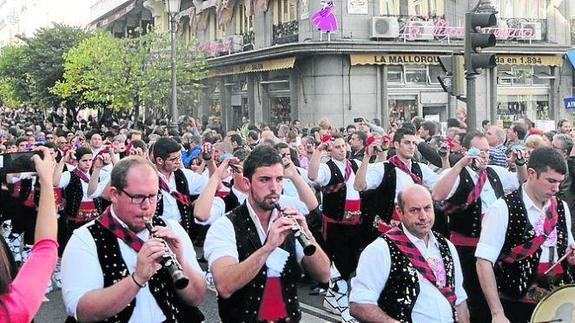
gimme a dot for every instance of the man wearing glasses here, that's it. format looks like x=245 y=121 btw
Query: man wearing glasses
x=179 y=187
x=110 y=265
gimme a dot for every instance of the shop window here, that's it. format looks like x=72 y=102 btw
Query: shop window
x=416 y=75
x=434 y=72
x=394 y=74
x=280 y=111
x=402 y=109
x=389 y=7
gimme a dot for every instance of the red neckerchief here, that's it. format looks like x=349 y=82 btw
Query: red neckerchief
x=128 y=236
x=80 y=174
x=395 y=161
x=182 y=198
x=528 y=248
x=403 y=243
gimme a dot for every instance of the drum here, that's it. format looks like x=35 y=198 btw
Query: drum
x=558 y=306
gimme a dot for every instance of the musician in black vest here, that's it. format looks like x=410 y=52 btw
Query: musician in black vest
x=253 y=255
x=111 y=266
x=341 y=220
x=467 y=194
x=522 y=235
x=390 y=177
x=179 y=187
x=410 y=273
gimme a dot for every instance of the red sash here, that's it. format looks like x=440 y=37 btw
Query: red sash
x=403 y=243
x=272 y=306
x=528 y=248
x=182 y=198
x=82 y=176
x=395 y=161
x=128 y=236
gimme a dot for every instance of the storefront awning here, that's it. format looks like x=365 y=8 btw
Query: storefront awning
x=269 y=65
x=394 y=59
x=571 y=56
x=115 y=15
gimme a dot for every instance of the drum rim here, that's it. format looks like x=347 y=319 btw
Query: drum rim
x=546 y=297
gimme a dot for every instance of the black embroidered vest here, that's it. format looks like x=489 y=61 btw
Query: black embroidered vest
x=186 y=211
x=73 y=194
x=402 y=286
x=243 y=305
x=468 y=220
x=231 y=201
x=160 y=285
x=513 y=280
x=385 y=192
x=334 y=202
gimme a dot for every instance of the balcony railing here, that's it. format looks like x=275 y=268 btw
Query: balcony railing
x=286 y=32
x=249 y=40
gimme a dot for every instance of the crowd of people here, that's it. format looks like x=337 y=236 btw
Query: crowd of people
x=406 y=223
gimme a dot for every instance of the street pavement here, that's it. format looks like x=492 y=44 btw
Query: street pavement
x=53 y=311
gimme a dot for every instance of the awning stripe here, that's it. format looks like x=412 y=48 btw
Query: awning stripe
x=269 y=65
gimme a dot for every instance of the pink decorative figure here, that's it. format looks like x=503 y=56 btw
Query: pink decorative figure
x=324 y=19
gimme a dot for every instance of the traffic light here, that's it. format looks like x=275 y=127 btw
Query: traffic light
x=452 y=81
x=475 y=40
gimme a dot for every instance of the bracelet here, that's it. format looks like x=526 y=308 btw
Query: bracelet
x=136 y=282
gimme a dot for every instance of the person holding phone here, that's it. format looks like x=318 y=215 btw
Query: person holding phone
x=21 y=294
x=80 y=206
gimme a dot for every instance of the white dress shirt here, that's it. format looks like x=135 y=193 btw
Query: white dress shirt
x=289 y=188
x=509 y=182
x=324 y=176
x=495 y=223
x=373 y=271
x=221 y=239
x=82 y=273
x=65 y=180
x=196 y=184
x=375 y=173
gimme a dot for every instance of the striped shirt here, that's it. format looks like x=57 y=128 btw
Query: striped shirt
x=497 y=156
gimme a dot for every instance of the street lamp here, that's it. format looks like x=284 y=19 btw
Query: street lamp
x=172 y=8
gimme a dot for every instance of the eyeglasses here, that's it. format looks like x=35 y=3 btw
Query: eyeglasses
x=139 y=199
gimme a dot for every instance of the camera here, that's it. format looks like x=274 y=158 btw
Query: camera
x=357 y=120
x=20 y=162
x=443 y=151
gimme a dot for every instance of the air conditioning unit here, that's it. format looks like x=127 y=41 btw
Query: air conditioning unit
x=384 y=27
x=420 y=30
x=535 y=28
x=237 y=42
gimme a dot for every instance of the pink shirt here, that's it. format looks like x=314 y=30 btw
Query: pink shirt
x=27 y=290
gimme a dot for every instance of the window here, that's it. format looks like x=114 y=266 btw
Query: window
x=425 y=7
x=434 y=72
x=415 y=74
x=212 y=26
x=536 y=9
x=220 y=31
x=244 y=23
x=523 y=75
x=389 y=7
x=284 y=11
x=394 y=74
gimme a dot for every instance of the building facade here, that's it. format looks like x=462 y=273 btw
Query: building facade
x=24 y=17
x=268 y=62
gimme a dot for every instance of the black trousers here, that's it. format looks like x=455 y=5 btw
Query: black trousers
x=517 y=312
x=478 y=308
x=343 y=245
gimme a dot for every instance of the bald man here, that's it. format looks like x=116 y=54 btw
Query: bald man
x=431 y=291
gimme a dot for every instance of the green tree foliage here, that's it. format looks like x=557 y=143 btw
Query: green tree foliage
x=14 y=80
x=127 y=73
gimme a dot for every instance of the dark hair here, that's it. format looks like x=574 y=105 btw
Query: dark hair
x=453 y=122
x=253 y=134
x=81 y=151
x=470 y=136
x=484 y=122
x=49 y=144
x=401 y=132
x=281 y=145
x=362 y=136
x=120 y=170
x=21 y=140
x=237 y=139
x=545 y=158
x=164 y=146
x=241 y=154
x=137 y=143
x=429 y=126
x=561 y=122
x=350 y=126
x=409 y=125
x=262 y=155
x=520 y=130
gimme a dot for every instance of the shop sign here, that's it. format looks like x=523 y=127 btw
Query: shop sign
x=569 y=102
x=270 y=65
x=394 y=59
x=226 y=45
x=358 y=7
x=530 y=60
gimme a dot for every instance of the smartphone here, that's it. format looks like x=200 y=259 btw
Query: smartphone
x=357 y=120
x=20 y=162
